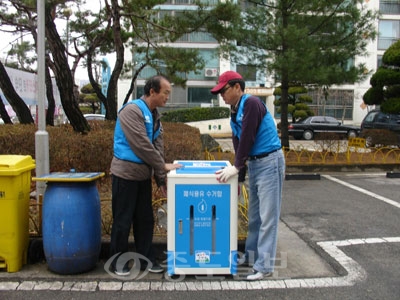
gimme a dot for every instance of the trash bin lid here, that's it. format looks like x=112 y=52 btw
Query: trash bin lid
x=201 y=167
x=13 y=165
x=69 y=177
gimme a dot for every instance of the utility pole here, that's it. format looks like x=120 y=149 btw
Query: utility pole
x=41 y=136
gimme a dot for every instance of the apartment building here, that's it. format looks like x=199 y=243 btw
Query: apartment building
x=344 y=102
x=198 y=86
x=388 y=26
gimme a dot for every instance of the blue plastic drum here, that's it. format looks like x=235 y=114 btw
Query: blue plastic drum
x=71 y=226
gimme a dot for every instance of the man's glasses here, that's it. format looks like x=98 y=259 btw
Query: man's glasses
x=225 y=89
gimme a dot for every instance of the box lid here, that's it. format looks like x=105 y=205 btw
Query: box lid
x=201 y=167
x=13 y=165
x=70 y=177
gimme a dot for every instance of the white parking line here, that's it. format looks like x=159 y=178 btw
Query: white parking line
x=361 y=190
x=355 y=273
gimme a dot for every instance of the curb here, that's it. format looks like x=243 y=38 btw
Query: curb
x=36 y=252
x=314 y=176
x=393 y=174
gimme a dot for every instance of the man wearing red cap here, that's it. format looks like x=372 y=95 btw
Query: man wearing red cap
x=256 y=141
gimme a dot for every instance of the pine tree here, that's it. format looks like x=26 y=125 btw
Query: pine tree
x=385 y=83
x=303 y=42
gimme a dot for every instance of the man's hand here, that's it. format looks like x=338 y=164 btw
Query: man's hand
x=170 y=167
x=224 y=174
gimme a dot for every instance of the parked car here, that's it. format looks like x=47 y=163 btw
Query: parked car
x=376 y=120
x=94 y=117
x=309 y=127
x=91 y=117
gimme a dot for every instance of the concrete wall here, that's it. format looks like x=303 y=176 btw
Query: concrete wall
x=218 y=127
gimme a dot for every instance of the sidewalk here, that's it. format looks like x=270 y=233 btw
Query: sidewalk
x=295 y=260
x=297 y=264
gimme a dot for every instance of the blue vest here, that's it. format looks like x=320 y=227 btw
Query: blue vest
x=267 y=139
x=122 y=150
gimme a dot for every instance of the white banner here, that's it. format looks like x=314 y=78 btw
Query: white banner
x=25 y=84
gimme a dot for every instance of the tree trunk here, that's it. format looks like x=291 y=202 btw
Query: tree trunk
x=132 y=86
x=112 y=93
x=3 y=113
x=50 y=99
x=93 y=82
x=16 y=102
x=284 y=83
x=64 y=77
x=284 y=112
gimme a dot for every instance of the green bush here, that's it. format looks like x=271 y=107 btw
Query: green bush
x=196 y=114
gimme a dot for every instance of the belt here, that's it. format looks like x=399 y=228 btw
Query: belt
x=254 y=157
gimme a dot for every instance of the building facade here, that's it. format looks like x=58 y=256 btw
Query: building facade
x=344 y=102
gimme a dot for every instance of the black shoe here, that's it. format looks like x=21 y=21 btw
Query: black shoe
x=155 y=268
x=123 y=272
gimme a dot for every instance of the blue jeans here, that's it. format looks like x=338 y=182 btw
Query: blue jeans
x=266 y=177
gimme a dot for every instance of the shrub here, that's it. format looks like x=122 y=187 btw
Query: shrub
x=93 y=151
x=196 y=114
x=327 y=136
x=380 y=137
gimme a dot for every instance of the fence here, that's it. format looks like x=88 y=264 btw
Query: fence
x=324 y=152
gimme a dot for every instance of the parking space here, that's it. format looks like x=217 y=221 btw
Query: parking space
x=342 y=206
x=376 y=183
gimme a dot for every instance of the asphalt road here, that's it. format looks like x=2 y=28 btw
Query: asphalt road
x=357 y=207
x=351 y=220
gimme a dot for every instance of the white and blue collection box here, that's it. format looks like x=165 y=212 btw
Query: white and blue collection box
x=202 y=220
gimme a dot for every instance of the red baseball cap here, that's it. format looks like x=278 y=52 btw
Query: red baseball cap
x=224 y=79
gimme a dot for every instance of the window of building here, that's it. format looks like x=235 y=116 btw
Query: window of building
x=389 y=7
x=379 y=61
x=197 y=37
x=248 y=72
x=200 y=95
x=246 y=4
x=194 y=37
x=185 y=2
x=211 y=68
x=139 y=92
x=338 y=104
x=389 y=32
x=209 y=73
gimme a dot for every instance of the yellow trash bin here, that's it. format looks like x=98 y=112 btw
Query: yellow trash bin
x=15 y=185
